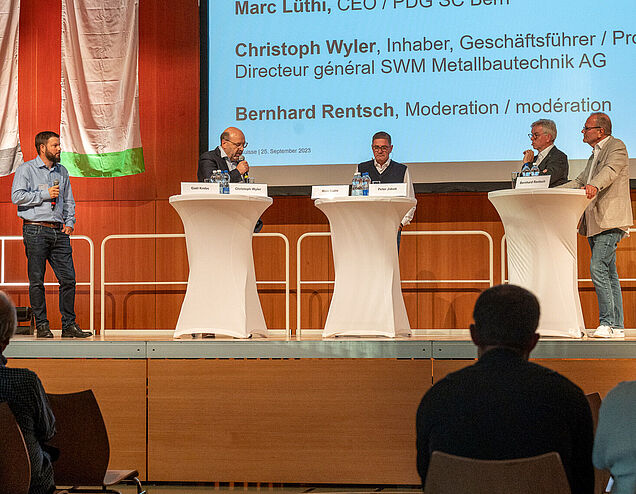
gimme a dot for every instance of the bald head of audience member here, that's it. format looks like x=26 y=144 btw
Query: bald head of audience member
x=8 y=320
x=506 y=316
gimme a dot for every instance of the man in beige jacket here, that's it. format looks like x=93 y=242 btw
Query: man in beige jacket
x=607 y=218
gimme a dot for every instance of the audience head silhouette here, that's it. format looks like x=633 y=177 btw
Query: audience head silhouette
x=8 y=320
x=506 y=316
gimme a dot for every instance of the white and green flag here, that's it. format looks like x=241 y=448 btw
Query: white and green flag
x=99 y=126
x=10 y=152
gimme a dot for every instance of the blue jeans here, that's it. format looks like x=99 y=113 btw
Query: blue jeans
x=605 y=277
x=41 y=244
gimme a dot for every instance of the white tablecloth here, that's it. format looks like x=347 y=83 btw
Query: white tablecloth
x=540 y=227
x=367 y=297
x=221 y=297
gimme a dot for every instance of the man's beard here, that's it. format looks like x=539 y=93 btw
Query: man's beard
x=53 y=158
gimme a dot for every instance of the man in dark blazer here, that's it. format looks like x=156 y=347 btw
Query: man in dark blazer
x=549 y=159
x=503 y=407
x=228 y=156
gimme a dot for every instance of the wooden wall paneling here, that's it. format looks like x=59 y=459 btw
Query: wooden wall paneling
x=593 y=375
x=128 y=306
x=284 y=421
x=449 y=306
x=441 y=367
x=168 y=99
x=408 y=271
x=7 y=210
x=120 y=389
x=294 y=216
x=171 y=264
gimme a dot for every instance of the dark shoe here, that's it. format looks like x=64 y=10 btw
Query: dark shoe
x=43 y=331
x=74 y=331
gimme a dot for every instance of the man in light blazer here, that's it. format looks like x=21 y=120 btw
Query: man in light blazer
x=550 y=160
x=607 y=218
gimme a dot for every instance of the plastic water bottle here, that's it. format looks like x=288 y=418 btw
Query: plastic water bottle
x=225 y=182
x=356 y=184
x=534 y=171
x=366 y=180
x=525 y=170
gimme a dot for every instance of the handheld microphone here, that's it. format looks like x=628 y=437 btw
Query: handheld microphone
x=246 y=174
x=54 y=201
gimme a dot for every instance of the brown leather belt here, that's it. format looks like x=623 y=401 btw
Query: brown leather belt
x=56 y=225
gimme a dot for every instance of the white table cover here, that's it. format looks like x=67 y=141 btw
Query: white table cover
x=221 y=296
x=540 y=227
x=367 y=297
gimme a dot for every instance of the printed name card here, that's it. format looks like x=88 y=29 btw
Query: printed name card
x=329 y=191
x=536 y=182
x=200 y=188
x=249 y=189
x=387 y=190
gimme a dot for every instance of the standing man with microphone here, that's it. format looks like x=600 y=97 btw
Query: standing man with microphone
x=228 y=157
x=42 y=191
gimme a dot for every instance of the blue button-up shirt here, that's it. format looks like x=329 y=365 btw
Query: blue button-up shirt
x=30 y=191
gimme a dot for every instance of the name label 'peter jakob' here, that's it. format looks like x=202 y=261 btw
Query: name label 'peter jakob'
x=309 y=113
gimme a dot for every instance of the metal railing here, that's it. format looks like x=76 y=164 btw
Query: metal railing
x=90 y=283
x=300 y=282
x=104 y=283
x=504 y=258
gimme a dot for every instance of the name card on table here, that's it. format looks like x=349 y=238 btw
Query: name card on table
x=536 y=182
x=388 y=190
x=248 y=189
x=200 y=188
x=328 y=191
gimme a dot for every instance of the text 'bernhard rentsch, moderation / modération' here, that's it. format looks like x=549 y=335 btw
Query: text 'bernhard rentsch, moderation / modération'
x=422 y=109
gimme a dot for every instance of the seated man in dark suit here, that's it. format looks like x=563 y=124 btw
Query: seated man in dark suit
x=504 y=407
x=549 y=159
x=227 y=156
x=23 y=391
x=384 y=170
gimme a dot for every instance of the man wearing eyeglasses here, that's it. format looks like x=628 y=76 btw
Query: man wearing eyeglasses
x=550 y=160
x=228 y=156
x=384 y=170
x=607 y=218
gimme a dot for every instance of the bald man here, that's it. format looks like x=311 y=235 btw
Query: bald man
x=607 y=218
x=225 y=157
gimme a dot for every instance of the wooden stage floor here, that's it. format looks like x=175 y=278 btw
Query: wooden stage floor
x=273 y=410
x=437 y=344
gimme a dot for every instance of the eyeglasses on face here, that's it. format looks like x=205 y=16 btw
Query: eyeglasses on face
x=585 y=129
x=238 y=144
x=380 y=148
x=535 y=135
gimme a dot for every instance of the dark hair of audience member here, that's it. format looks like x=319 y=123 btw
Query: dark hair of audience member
x=506 y=315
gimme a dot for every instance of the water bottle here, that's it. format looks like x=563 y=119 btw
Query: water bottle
x=525 y=170
x=534 y=171
x=366 y=180
x=355 y=184
x=225 y=183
